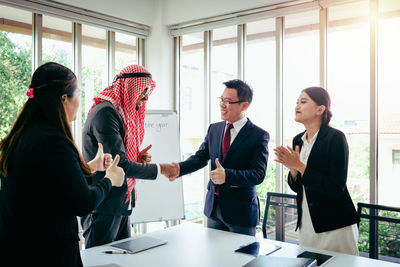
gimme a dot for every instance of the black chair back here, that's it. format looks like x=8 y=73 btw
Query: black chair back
x=384 y=225
x=280 y=201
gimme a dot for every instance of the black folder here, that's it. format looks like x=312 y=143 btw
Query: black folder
x=321 y=258
x=257 y=248
x=269 y=261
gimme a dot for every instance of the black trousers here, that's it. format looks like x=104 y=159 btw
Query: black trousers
x=100 y=229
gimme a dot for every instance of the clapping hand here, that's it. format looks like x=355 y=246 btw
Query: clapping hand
x=144 y=156
x=287 y=156
x=171 y=171
x=101 y=161
x=290 y=158
x=218 y=175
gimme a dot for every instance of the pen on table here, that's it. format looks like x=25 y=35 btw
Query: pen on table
x=115 y=252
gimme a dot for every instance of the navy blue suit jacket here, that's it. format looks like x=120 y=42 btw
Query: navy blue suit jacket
x=245 y=164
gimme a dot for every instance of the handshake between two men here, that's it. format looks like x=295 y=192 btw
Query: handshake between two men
x=172 y=171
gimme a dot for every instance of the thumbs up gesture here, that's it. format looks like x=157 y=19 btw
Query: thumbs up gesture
x=115 y=174
x=101 y=161
x=218 y=175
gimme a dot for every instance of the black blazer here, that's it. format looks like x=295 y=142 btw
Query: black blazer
x=324 y=182
x=39 y=200
x=104 y=125
x=245 y=164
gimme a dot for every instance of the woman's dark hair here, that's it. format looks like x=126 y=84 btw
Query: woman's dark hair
x=49 y=82
x=321 y=97
x=244 y=92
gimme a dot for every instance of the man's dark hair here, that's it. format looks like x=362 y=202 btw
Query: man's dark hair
x=244 y=91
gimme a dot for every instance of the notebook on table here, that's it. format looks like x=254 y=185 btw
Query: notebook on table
x=321 y=259
x=257 y=248
x=139 y=244
x=269 y=261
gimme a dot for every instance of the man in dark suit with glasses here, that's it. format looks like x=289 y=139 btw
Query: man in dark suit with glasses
x=238 y=151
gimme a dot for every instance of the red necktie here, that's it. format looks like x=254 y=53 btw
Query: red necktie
x=226 y=143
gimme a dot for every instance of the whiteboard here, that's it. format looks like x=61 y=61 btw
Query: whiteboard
x=160 y=199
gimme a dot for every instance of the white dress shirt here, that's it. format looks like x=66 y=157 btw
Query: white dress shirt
x=237 y=126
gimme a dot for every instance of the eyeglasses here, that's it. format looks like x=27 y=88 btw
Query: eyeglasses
x=227 y=102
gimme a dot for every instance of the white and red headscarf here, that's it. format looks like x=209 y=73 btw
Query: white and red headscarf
x=123 y=95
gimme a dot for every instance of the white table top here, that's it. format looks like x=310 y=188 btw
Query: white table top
x=192 y=244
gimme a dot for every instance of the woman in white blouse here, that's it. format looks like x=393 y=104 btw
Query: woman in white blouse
x=318 y=165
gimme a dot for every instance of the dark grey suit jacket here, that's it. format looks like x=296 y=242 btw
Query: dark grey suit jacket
x=104 y=125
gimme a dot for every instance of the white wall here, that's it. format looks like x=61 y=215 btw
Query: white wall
x=159 y=56
x=138 y=11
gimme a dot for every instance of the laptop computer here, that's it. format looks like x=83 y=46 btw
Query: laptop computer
x=139 y=244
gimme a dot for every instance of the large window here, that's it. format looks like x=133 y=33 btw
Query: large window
x=348 y=72
x=223 y=65
x=57 y=41
x=54 y=40
x=300 y=68
x=388 y=106
x=348 y=85
x=94 y=66
x=57 y=46
x=15 y=63
x=192 y=119
x=396 y=158
x=125 y=51
x=260 y=74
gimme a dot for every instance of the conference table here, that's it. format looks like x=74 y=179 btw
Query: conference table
x=191 y=244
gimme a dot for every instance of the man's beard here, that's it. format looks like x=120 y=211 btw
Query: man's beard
x=140 y=104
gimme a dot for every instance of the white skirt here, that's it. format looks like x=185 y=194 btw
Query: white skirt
x=343 y=240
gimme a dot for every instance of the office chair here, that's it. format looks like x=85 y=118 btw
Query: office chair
x=280 y=201
x=384 y=223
